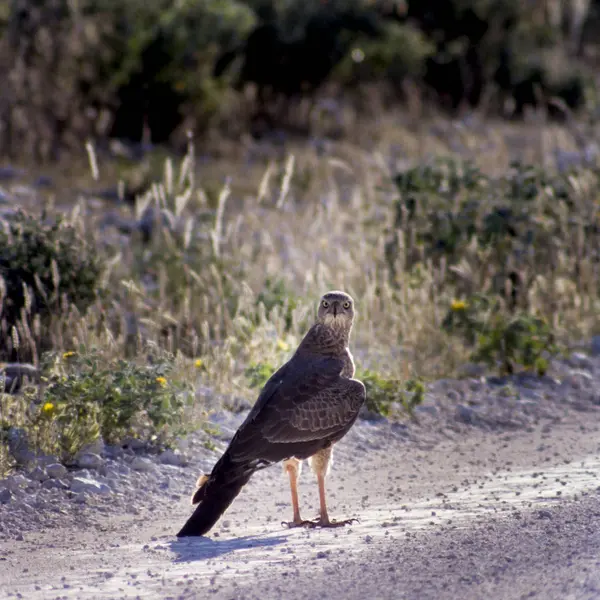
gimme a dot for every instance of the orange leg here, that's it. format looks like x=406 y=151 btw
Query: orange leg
x=320 y=464
x=293 y=468
x=293 y=473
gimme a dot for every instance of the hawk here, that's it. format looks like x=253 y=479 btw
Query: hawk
x=308 y=405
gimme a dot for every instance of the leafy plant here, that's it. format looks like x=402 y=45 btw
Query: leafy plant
x=258 y=374
x=502 y=340
x=273 y=294
x=89 y=396
x=45 y=266
x=522 y=340
x=384 y=394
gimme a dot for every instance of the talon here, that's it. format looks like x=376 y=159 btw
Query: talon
x=293 y=524
x=328 y=523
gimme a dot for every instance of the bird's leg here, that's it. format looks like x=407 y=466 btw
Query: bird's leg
x=320 y=464
x=293 y=467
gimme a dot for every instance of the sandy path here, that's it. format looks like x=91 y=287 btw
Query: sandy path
x=498 y=515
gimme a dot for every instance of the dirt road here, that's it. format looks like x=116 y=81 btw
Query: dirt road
x=482 y=515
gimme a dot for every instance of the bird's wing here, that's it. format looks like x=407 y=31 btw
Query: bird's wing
x=307 y=404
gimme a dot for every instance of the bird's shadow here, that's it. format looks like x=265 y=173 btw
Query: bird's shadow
x=192 y=549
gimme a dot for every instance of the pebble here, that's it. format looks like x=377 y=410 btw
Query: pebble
x=143 y=465
x=18 y=446
x=38 y=474
x=96 y=447
x=580 y=360
x=90 y=486
x=90 y=460
x=426 y=409
x=56 y=470
x=465 y=414
x=15 y=482
x=5 y=496
x=174 y=458
x=55 y=484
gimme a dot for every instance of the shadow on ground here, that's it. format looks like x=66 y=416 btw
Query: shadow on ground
x=203 y=548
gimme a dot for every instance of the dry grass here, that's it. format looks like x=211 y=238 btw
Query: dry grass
x=309 y=221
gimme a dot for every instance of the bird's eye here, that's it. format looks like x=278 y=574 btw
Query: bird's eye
x=325 y=304
x=346 y=305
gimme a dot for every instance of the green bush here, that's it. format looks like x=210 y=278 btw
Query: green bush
x=502 y=341
x=258 y=374
x=45 y=267
x=88 y=396
x=450 y=212
x=517 y=341
x=384 y=394
x=273 y=294
x=399 y=53
x=99 y=67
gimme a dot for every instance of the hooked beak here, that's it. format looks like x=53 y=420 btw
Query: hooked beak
x=335 y=309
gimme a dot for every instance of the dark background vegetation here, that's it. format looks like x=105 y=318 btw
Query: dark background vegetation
x=152 y=71
x=181 y=180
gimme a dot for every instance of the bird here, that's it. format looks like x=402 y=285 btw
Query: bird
x=306 y=406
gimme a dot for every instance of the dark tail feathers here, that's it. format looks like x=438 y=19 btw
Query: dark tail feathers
x=214 y=494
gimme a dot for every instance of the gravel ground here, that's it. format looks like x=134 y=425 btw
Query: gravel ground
x=492 y=491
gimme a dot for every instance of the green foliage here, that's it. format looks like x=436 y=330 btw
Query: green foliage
x=384 y=394
x=258 y=374
x=44 y=268
x=522 y=225
x=517 y=341
x=502 y=341
x=275 y=293
x=399 y=53
x=88 y=396
x=72 y=66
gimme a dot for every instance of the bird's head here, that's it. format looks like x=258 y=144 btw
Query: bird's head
x=336 y=309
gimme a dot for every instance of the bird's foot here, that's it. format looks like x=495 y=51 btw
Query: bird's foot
x=297 y=523
x=327 y=523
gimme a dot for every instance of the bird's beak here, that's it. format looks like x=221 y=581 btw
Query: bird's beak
x=335 y=307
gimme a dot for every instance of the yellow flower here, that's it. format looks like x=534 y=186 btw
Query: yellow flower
x=198 y=363
x=68 y=354
x=48 y=409
x=283 y=345
x=458 y=305
x=161 y=381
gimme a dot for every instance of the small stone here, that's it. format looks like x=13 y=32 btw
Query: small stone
x=426 y=409
x=465 y=414
x=5 y=496
x=15 y=482
x=38 y=474
x=579 y=360
x=18 y=446
x=55 y=484
x=89 y=486
x=90 y=460
x=143 y=464
x=134 y=444
x=113 y=451
x=174 y=458
x=96 y=447
x=44 y=460
x=56 y=470
x=472 y=370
